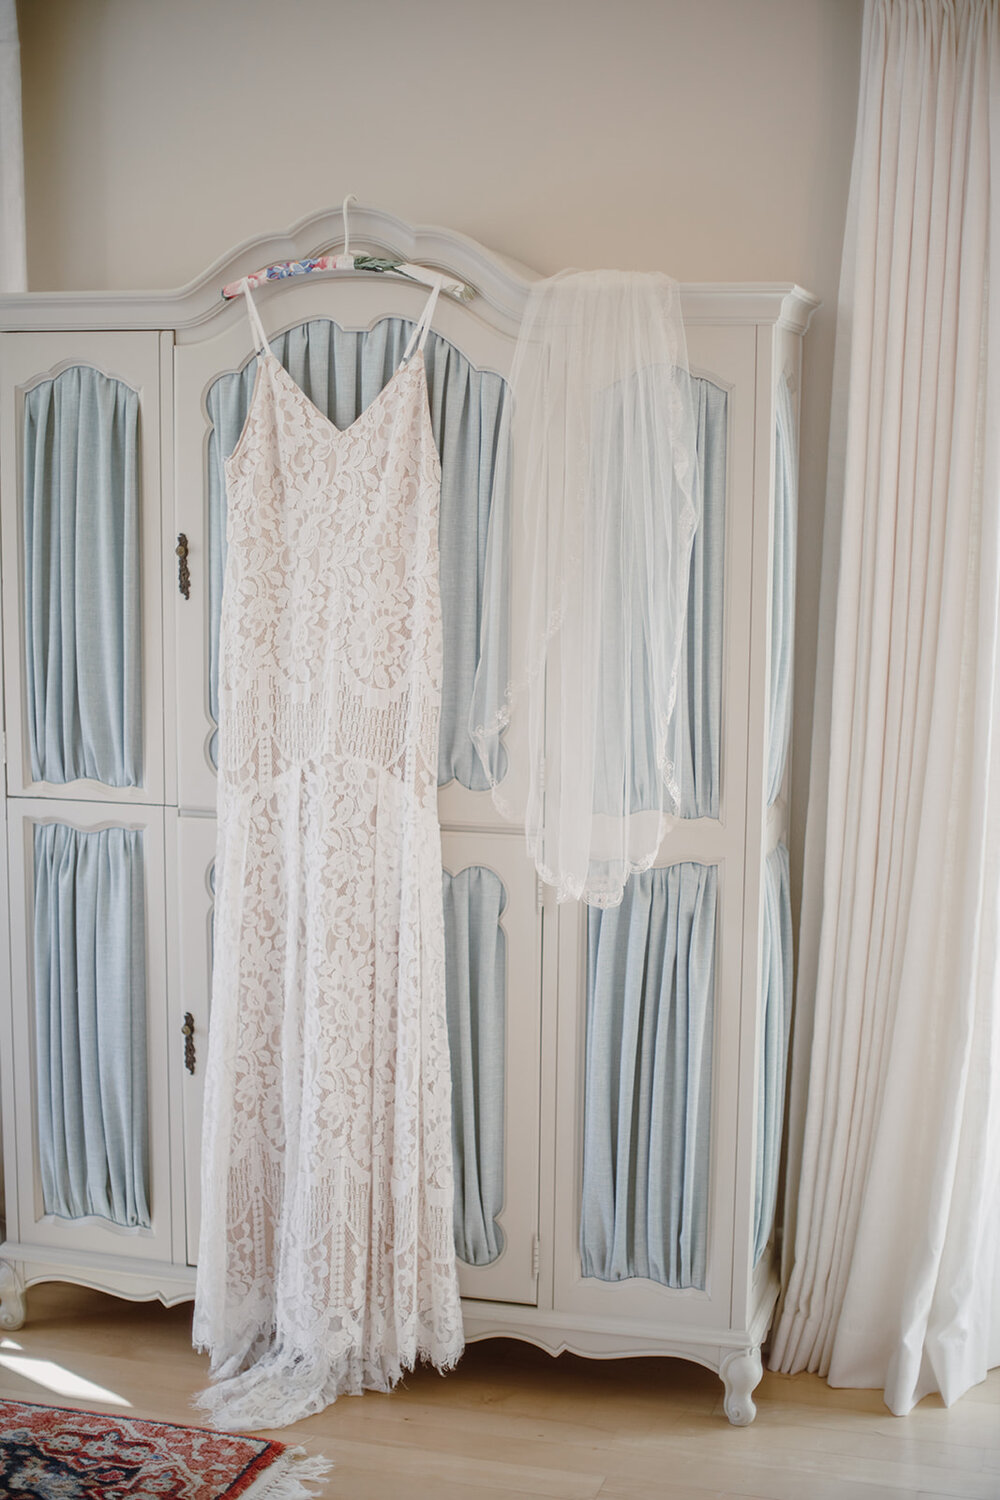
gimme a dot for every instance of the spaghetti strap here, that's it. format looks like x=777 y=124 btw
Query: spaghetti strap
x=418 y=338
x=260 y=337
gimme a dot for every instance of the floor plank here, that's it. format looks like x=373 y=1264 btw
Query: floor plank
x=513 y=1424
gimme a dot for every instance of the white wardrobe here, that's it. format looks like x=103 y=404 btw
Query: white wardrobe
x=618 y=1075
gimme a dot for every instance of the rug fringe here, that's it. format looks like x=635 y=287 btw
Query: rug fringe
x=291 y=1477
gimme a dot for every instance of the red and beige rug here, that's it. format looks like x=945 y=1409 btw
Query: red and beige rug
x=48 y=1453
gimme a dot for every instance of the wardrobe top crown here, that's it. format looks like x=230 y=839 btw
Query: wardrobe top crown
x=501 y=284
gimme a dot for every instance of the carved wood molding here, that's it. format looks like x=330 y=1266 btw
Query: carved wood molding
x=502 y=284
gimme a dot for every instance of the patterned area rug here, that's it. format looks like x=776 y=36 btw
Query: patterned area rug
x=47 y=1453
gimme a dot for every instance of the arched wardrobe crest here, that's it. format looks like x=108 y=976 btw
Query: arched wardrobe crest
x=617 y=1087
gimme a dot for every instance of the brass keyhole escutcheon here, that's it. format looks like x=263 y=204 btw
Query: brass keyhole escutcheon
x=187 y=1032
x=183 y=571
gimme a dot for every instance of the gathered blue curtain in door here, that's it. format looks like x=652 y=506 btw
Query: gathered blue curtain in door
x=90 y=1023
x=779 y=715
x=695 y=730
x=476 y=977
x=774 y=1020
x=341 y=372
x=82 y=621
x=648 y=1079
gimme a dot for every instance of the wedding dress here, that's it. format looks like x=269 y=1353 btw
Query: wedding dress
x=327 y=1260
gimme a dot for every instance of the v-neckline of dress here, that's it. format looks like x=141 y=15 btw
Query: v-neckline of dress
x=374 y=402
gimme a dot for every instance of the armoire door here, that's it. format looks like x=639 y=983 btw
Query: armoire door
x=493 y=953
x=80 y=422
x=339 y=341
x=88 y=1028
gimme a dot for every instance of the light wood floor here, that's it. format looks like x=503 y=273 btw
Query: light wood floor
x=513 y=1424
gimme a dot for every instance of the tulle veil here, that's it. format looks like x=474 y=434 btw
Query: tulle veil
x=596 y=503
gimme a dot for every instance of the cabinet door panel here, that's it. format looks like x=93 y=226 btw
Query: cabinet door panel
x=493 y=1087
x=648 y=1079
x=80 y=475
x=90 y=1115
x=505 y=1243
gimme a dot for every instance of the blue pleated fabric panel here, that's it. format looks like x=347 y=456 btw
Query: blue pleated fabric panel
x=476 y=983
x=775 y=1019
x=476 y=959
x=779 y=718
x=341 y=373
x=648 y=1079
x=90 y=1023
x=699 y=685
x=82 y=579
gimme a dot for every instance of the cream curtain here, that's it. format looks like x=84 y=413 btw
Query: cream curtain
x=13 y=272
x=895 y=1277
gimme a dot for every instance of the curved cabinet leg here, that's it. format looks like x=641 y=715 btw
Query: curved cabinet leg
x=741 y=1372
x=11 y=1297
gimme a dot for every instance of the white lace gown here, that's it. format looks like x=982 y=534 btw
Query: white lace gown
x=327 y=1260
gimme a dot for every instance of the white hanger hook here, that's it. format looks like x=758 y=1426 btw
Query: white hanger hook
x=351 y=198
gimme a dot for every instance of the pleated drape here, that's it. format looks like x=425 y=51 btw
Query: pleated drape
x=895 y=1168
x=695 y=739
x=90 y=1022
x=699 y=682
x=695 y=730
x=651 y=964
x=341 y=372
x=779 y=707
x=476 y=969
x=775 y=1017
x=648 y=1079
x=82 y=622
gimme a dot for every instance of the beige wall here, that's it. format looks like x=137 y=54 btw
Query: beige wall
x=707 y=138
